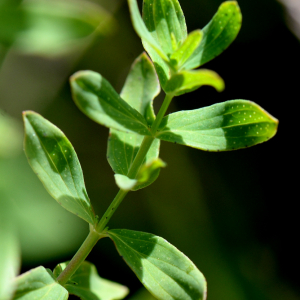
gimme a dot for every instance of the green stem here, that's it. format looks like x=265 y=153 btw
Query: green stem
x=79 y=257
x=96 y=234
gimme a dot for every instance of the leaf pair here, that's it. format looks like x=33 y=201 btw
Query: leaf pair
x=164 y=35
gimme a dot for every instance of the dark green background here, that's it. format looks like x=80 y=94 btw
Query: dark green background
x=233 y=213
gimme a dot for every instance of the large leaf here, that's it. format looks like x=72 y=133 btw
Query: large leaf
x=53 y=159
x=165 y=271
x=39 y=283
x=95 y=97
x=165 y=21
x=218 y=34
x=9 y=250
x=88 y=285
x=224 y=126
x=188 y=81
x=140 y=88
x=142 y=30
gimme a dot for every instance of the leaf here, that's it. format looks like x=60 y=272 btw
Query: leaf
x=125 y=183
x=218 y=34
x=88 y=285
x=188 y=81
x=142 y=30
x=96 y=98
x=53 y=159
x=223 y=126
x=140 y=88
x=181 y=55
x=39 y=283
x=9 y=250
x=148 y=173
x=165 y=21
x=165 y=271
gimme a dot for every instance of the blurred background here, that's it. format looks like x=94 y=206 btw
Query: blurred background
x=233 y=214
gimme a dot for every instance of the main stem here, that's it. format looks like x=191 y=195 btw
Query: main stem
x=96 y=233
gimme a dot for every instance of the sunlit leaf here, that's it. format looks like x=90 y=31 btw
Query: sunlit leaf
x=88 y=285
x=140 y=88
x=39 y=283
x=165 y=271
x=142 y=30
x=96 y=98
x=53 y=159
x=181 y=55
x=224 y=126
x=218 y=34
x=188 y=81
x=125 y=183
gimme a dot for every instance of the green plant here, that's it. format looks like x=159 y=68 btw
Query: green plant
x=133 y=150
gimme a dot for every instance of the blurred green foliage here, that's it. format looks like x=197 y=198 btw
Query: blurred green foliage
x=219 y=209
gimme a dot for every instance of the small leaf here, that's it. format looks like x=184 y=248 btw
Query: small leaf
x=142 y=30
x=181 y=55
x=96 y=98
x=54 y=160
x=188 y=81
x=140 y=88
x=218 y=34
x=165 y=271
x=88 y=285
x=148 y=173
x=165 y=21
x=39 y=283
x=223 y=126
x=124 y=182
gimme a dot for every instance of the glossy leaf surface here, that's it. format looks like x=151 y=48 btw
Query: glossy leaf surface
x=88 y=285
x=140 y=88
x=223 y=126
x=125 y=183
x=188 y=81
x=96 y=98
x=53 y=159
x=142 y=30
x=218 y=34
x=165 y=21
x=39 y=283
x=165 y=271
x=180 y=56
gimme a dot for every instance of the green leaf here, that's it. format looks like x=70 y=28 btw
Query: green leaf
x=188 y=81
x=9 y=250
x=140 y=88
x=142 y=30
x=39 y=283
x=165 y=21
x=181 y=55
x=124 y=182
x=88 y=285
x=96 y=98
x=165 y=271
x=223 y=126
x=148 y=173
x=218 y=34
x=53 y=159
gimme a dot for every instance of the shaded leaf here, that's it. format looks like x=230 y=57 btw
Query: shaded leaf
x=53 y=159
x=96 y=98
x=142 y=30
x=124 y=182
x=165 y=271
x=223 y=126
x=148 y=173
x=181 y=55
x=188 y=81
x=140 y=88
x=218 y=34
x=88 y=285
x=39 y=283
